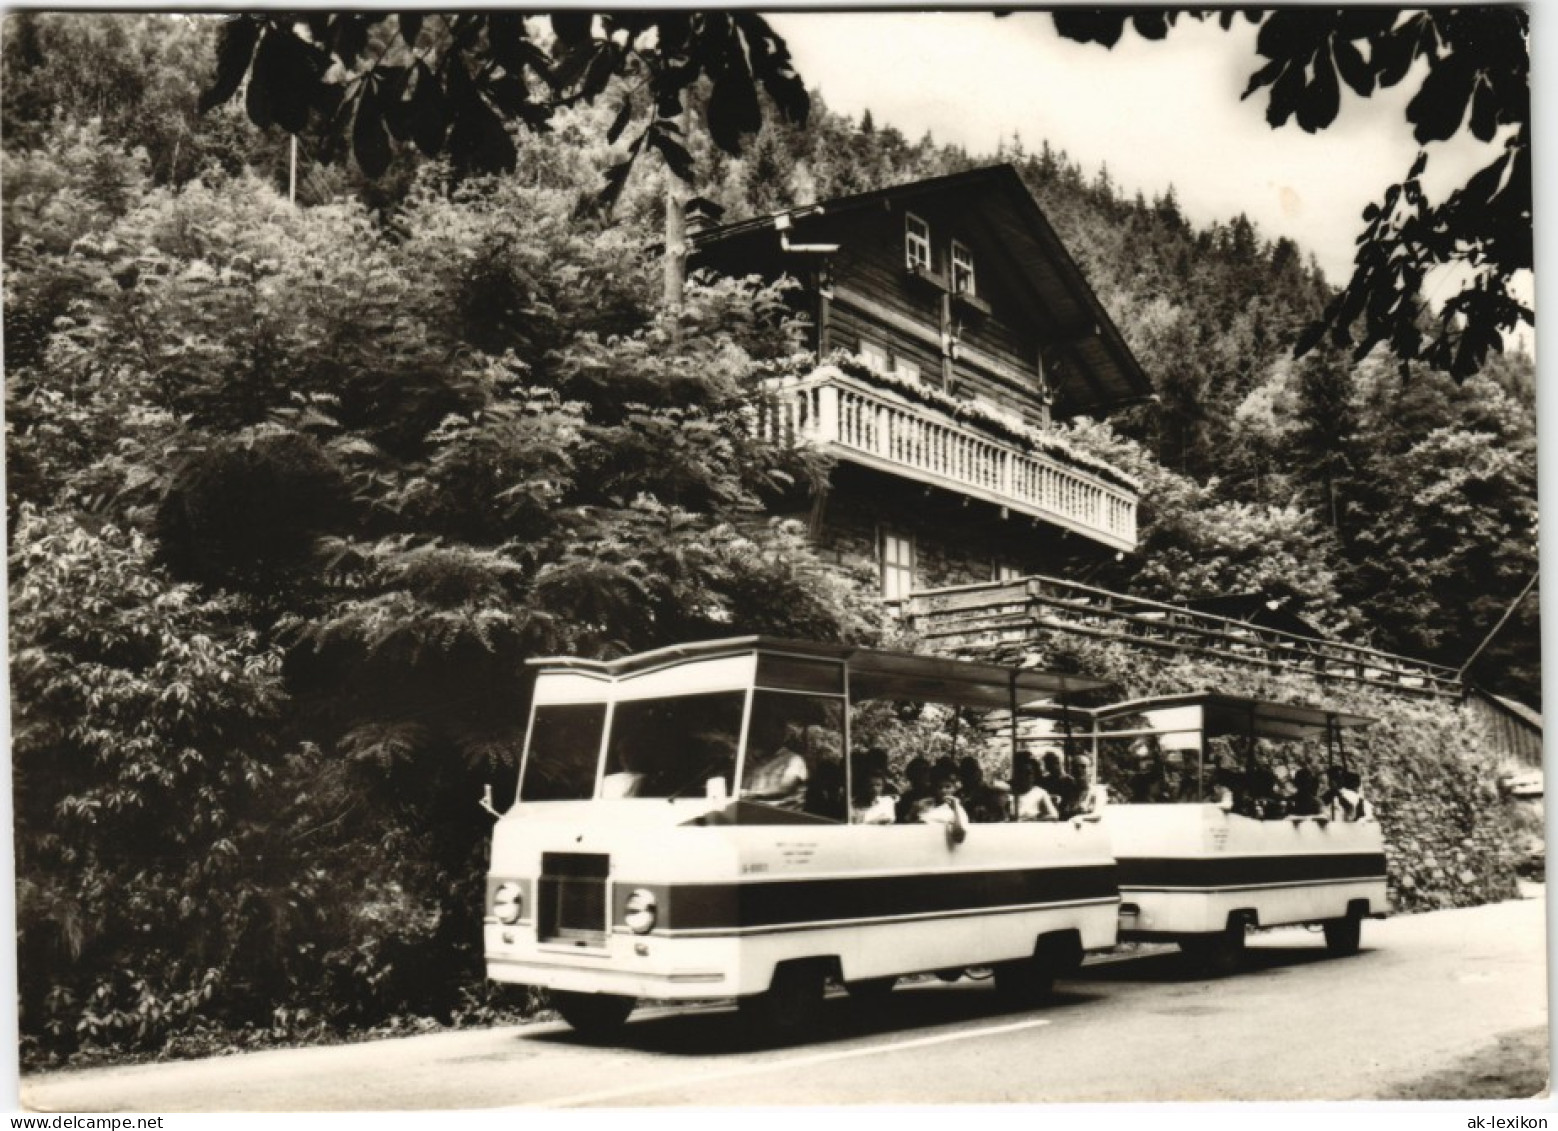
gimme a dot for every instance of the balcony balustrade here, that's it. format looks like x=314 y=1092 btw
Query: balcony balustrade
x=878 y=428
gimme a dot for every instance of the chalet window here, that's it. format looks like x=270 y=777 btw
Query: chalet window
x=916 y=242
x=875 y=357
x=897 y=565
x=906 y=370
x=962 y=269
x=1005 y=571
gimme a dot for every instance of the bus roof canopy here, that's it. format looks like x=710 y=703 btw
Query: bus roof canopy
x=1238 y=715
x=873 y=673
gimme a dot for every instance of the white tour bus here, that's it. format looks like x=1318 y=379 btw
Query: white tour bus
x=682 y=831
x=1209 y=844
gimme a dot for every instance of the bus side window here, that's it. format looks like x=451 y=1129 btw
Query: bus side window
x=795 y=754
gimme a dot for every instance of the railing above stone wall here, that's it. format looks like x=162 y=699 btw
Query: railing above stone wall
x=876 y=427
x=980 y=618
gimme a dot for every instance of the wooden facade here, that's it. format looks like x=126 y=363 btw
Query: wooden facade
x=1512 y=730
x=951 y=329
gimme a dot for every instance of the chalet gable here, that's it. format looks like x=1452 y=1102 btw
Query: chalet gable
x=964 y=272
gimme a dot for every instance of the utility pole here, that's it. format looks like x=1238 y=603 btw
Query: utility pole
x=676 y=194
x=292 y=173
x=675 y=245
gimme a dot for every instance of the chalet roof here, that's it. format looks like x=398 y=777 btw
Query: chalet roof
x=1525 y=714
x=1098 y=370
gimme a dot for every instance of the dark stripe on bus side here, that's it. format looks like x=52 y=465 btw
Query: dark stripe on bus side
x=1247 y=871
x=715 y=906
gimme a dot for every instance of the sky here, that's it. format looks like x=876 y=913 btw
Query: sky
x=1155 y=113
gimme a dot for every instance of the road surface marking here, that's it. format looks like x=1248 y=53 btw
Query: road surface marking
x=780 y=1065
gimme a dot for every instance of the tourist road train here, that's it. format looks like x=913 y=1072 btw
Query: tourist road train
x=683 y=830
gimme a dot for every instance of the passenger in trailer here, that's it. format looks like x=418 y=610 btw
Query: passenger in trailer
x=1286 y=790
x=1345 y=797
x=1168 y=788
x=1260 y=799
x=1223 y=788
x=1092 y=796
x=1306 y=800
x=1148 y=770
x=1029 y=800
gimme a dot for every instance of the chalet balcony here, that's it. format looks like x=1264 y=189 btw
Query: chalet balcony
x=877 y=427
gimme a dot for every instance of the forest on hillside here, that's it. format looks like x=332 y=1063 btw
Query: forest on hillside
x=294 y=489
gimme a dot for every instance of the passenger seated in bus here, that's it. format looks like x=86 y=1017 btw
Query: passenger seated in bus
x=624 y=783
x=872 y=804
x=1305 y=801
x=876 y=761
x=944 y=808
x=919 y=788
x=825 y=792
x=984 y=803
x=1029 y=801
x=1061 y=786
x=780 y=778
x=1092 y=796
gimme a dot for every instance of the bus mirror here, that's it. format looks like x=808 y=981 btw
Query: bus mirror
x=486 y=800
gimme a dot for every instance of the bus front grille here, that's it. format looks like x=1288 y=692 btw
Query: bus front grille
x=572 y=906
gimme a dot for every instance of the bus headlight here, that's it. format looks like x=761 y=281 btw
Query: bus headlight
x=508 y=903
x=641 y=910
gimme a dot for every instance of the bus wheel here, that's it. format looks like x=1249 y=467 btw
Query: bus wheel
x=1025 y=982
x=1342 y=935
x=791 y=1007
x=593 y=1015
x=871 y=991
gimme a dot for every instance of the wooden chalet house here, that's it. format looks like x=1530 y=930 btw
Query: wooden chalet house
x=951 y=328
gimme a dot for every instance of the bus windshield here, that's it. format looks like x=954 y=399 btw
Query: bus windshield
x=563 y=753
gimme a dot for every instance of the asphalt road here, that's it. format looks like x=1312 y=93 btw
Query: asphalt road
x=1427 y=994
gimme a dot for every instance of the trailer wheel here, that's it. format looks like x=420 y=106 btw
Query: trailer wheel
x=791 y=1007
x=1024 y=982
x=1342 y=935
x=596 y=1016
x=871 y=991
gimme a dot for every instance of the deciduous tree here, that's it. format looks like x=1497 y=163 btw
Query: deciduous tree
x=1471 y=67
